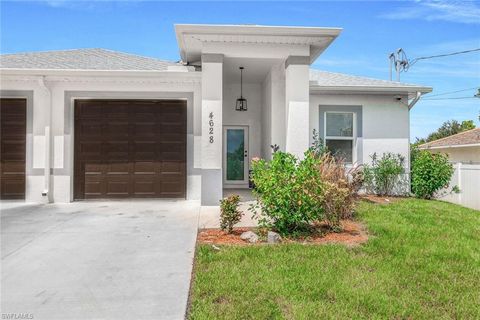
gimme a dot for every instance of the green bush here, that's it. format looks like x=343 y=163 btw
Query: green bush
x=229 y=213
x=289 y=192
x=431 y=172
x=383 y=175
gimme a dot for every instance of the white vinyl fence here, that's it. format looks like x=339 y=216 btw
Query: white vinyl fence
x=467 y=178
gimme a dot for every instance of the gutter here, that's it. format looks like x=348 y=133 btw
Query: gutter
x=368 y=89
x=415 y=100
x=48 y=142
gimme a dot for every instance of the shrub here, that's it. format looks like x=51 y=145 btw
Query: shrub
x=289 y=192
x=340 y=190
x=383 y=174
x=293 y=193
x=229 y=213
x=430 y=173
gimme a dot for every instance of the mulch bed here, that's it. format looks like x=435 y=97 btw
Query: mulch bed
x=353 y=233
x=380 y=199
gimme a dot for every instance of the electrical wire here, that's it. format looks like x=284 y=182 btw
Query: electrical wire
x=412 y=62
x=450 y=92
x=453 y=98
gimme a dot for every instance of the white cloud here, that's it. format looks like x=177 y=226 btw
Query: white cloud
x=434 y=10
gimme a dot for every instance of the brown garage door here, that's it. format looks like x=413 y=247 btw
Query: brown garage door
x=130 y=148
x=13 y=120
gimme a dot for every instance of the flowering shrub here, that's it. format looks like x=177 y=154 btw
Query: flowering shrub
x=229 y=213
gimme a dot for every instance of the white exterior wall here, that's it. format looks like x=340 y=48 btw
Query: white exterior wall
x=460 y=154
x=274 y=113
x=297 y=97
x=60 y=98
x=385 y=124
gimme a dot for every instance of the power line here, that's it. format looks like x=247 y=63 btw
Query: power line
x=453 y=98
x=412 y=62
x=450 y=92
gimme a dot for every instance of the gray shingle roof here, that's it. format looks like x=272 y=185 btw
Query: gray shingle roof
x=82 y=59
x=470 y=137
x=331 y=79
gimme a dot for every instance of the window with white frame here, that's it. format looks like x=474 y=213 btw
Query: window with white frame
x=340 y=134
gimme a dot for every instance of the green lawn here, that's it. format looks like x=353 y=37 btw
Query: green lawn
x=422 y=262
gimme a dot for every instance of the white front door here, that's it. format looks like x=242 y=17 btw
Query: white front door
x=235 y=156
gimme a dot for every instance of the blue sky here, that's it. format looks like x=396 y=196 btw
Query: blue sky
x=371 y=30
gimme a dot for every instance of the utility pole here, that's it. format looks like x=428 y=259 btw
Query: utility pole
x=398 y=60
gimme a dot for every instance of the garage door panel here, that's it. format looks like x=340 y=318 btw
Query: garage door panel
x=172 y=167
x=93 y=168
x=146 y=128
x=13 y=187
x=89 y=128
x=117 y=129
x=116 y=146
x=145 y=167
x=117 y=184
x=88 y=147
x=13 y=121
x=13 y=167
x=120 y=167
x=141 y=148
x=94 y=186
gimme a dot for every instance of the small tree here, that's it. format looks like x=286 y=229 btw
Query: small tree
x=431 y=172
x=229 y=213
x=383 y=174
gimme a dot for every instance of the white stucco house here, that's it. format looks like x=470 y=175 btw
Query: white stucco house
x=93 y=123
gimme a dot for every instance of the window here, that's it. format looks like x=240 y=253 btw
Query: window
x=340 y=134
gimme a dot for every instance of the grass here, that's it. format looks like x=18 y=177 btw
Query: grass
x=422 y=261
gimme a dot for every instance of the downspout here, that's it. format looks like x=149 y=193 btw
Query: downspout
x=48 y=142
x=415 y=100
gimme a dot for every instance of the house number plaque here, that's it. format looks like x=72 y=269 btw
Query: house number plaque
x=211 y=123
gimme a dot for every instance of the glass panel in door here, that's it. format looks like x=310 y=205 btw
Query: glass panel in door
x=235 y=149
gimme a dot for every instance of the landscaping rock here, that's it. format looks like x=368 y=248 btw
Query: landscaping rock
x=249 y=236
x=273 y=237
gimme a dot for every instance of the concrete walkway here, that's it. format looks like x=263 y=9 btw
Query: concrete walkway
x=98 y=260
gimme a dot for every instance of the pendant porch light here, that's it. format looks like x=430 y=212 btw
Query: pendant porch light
x=241 y=102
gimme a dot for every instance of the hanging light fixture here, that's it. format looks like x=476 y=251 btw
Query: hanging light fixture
x=241 y=102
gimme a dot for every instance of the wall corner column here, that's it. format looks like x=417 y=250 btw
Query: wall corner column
x=297 y=103
x=211 y=118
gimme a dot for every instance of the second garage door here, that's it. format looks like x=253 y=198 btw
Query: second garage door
x=130 y=148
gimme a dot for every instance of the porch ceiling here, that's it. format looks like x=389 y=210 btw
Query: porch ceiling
x=255 y=69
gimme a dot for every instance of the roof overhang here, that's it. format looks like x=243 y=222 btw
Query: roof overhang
x=182 y=72
x=411 y=91
x=449 y=146
x=192 y=37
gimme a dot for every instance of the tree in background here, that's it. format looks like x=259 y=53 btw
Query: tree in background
x=447 y=129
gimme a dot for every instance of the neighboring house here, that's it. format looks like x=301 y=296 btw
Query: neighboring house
x=463 y=150
x=461 y=147
x=93 y=123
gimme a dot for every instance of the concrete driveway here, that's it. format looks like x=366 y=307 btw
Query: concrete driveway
x=98 y=260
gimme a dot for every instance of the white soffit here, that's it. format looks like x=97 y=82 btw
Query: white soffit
x=190 y=37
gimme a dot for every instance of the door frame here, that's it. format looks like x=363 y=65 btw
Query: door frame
x=235 y=184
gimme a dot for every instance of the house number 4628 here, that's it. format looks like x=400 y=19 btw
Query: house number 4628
x=210 y=129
